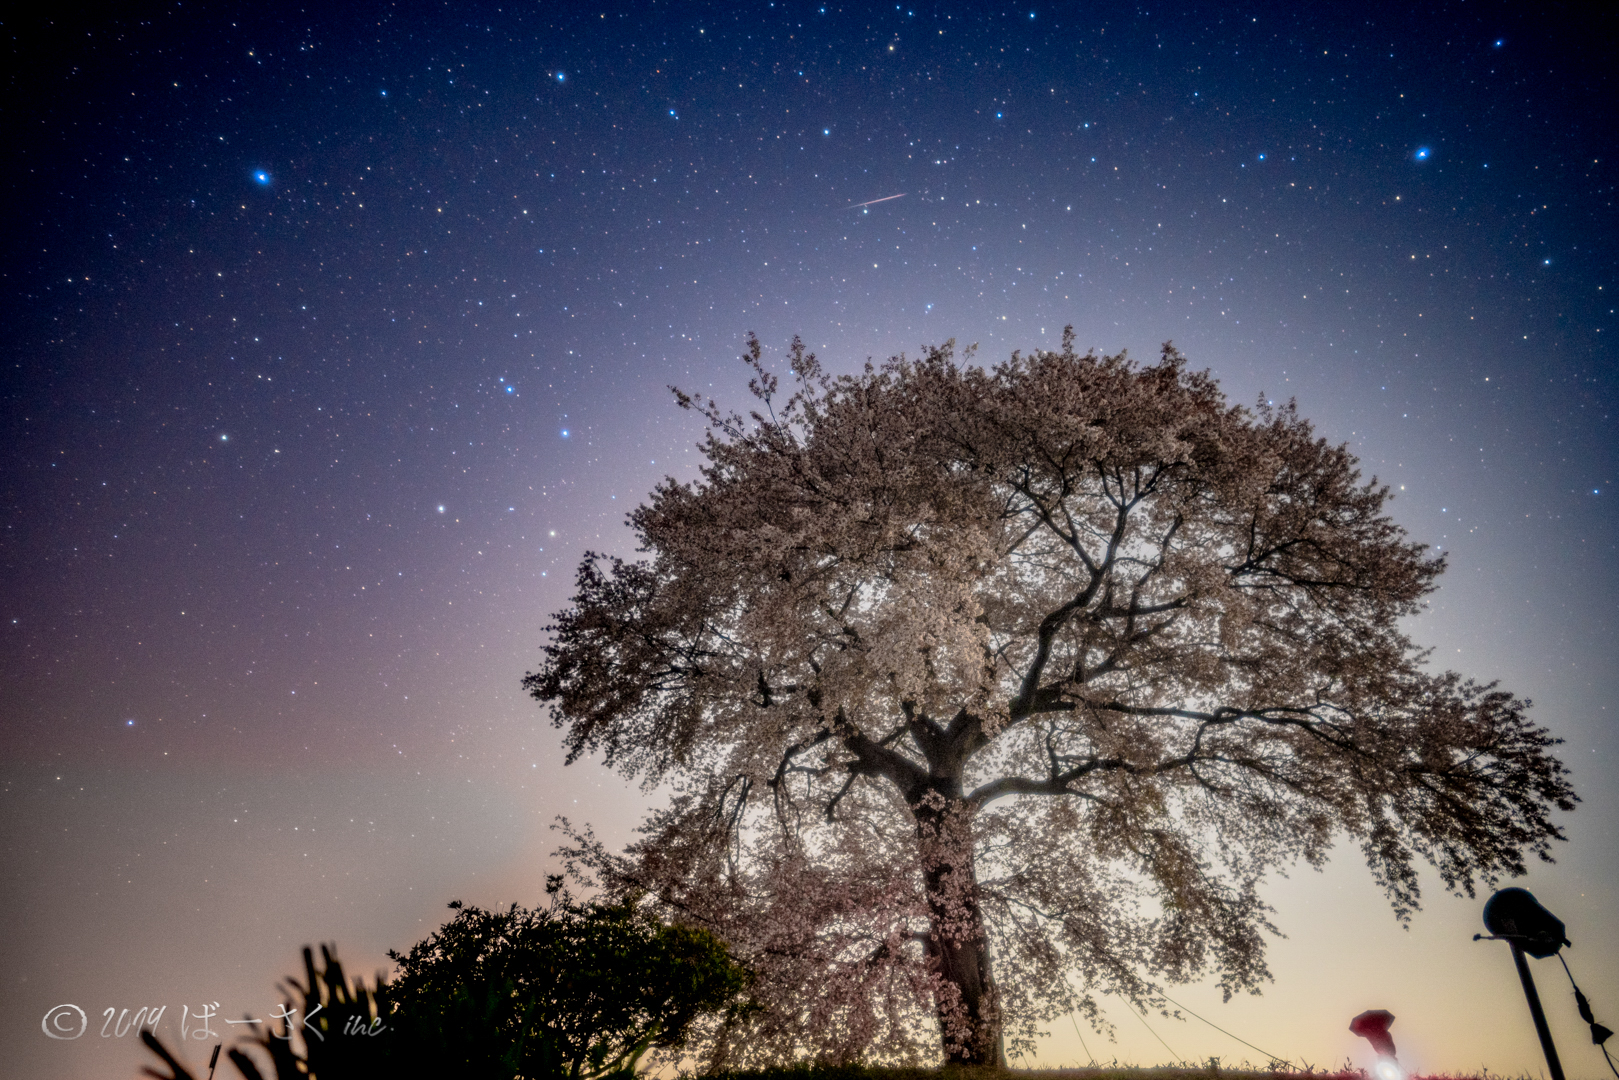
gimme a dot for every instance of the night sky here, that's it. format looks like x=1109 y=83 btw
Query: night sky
x=334 y=337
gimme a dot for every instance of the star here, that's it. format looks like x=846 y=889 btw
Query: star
x=262 y=177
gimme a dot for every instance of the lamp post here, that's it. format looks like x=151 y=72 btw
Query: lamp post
x=1516 y=917
x=1539 y=1014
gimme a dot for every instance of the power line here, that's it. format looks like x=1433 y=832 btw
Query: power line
x=1131 y=1010
x=1599 y=1033
x=1218 y=1028
x=1081 y=1035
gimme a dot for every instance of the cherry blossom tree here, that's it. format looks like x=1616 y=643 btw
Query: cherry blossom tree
x=984 y=692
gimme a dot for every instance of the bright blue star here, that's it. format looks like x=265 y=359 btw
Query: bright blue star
x=564 y=433
x=385 y=93
x=129 y=723
x=262 y=177
x=1261 y=157
x=672 y=113
x=511 y=389
x=562 y=76
x=1500 y=42
x=1422 y=154
x=1545 y=262
x=826 y=131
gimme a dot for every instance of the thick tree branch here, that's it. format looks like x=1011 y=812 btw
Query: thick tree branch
x=1001 y=787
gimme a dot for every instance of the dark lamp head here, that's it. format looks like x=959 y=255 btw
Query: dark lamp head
x=1516 y=915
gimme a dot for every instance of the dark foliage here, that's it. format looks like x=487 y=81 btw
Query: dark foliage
x=575 y=990
x=328 y=1010
x=578 y=991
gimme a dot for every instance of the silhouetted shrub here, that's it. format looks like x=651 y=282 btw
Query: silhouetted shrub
x=574 y=990
x=581 y=991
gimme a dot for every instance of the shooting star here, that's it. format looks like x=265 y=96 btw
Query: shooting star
x=873 y=202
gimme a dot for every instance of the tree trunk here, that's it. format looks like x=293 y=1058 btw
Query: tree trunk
x=967 y=1004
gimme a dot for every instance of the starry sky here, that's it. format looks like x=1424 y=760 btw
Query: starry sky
x=335 y=336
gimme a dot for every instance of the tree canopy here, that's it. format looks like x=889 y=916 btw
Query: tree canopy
x=985 y=691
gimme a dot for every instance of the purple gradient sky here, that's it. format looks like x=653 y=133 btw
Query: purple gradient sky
x=336 y=336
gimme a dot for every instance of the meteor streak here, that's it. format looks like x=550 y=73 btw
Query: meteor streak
x=871 y=202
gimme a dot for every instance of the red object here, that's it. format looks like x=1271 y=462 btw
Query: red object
x=1373 y=1026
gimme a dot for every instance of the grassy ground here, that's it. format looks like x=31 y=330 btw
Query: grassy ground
x=1212 y=1071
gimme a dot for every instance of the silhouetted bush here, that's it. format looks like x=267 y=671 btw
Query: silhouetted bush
x=573 y=990
x=581 y=991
